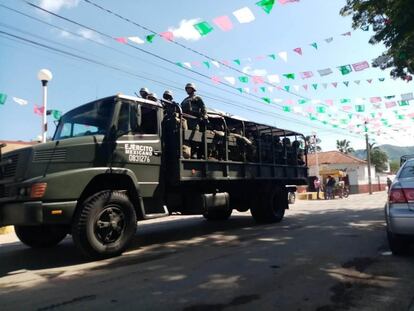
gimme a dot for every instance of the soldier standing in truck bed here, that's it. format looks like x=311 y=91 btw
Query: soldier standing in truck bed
x=193 y=105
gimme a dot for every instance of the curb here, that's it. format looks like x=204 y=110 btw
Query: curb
x=6 y=230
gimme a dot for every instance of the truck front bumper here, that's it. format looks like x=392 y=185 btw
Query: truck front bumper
x=36 y=213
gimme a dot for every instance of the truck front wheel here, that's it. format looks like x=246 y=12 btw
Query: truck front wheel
x=104 y=224
x=41 y=236
x=269 y=207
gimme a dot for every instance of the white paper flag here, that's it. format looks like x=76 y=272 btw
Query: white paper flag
x=21 y=102
x=244 y=15
x=230 y=80
x=283 y=55
x=273 y=78
x=136 y=40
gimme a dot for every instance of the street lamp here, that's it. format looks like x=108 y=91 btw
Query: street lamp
x=45 y=76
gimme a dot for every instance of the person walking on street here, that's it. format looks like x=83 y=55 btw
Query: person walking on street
x=389 y=182
x=330 y=188
x=317 y=186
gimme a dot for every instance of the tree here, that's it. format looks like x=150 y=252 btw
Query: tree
x=378 y=158
x=394 y=166
x=312 y=145
x=344 y=146
x=392 y=23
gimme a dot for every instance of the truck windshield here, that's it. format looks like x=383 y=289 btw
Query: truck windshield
x=90 y=119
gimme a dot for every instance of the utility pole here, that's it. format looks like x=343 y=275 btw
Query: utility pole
x=368 y=148
x=316 y=153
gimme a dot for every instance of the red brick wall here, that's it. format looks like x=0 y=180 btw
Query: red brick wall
x=375 y=187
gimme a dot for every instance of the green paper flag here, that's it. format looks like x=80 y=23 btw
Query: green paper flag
x=345 y=69
x=263 y=89
x=312 y=117
x=266 y=99
x=315 y=86
x=346 y=83
x=56 y=114
x=335 y=125
x=180 y=64
x=266 y=5
x=203 y=28
x=320 y=109
x=240 y=89
x=403 y=103
x=359 y=108
x=207 y=64
x=272 y=56
x=400 y=117
x=237 y=61
x=244 y=79
x=344 y=100
x=287 y=108
x=325 y=122
x=302 y=101
x=289 y=76
x=287 y=88
x=344 y=121
x=315 y=45
x=3 y=98
x=389 y=96
x=381 y=79
x=150 y=38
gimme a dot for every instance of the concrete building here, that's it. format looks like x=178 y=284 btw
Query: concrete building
x=355 y=168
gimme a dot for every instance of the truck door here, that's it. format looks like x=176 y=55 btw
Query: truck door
x=139 y=149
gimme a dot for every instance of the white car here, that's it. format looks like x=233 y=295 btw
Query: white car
x=399 y=209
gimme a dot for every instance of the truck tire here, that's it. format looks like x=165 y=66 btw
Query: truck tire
x=398 y=245
x=269 y=207
x=104 y=225
x=41 y=236
x=218 y=214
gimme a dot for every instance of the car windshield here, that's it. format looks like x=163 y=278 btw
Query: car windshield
x=407 y=171
x=90 y=119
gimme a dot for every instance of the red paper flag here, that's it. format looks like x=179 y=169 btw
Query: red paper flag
x=298 y=50
x=122 y=40
x=369 y=81
x=223 y=22
x=257 y=79
x=38 y=110
x=334 y=84
x=167 y=35
x=215 y=79
x=329 y=102
x=305 y=86
x=360 y=66
x=306 y=74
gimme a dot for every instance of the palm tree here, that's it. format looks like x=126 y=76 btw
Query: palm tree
x=344 y=146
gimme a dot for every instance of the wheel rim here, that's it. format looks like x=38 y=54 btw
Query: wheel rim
x=110 y=225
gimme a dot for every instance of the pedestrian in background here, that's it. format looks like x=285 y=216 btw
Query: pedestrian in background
x=317 y=186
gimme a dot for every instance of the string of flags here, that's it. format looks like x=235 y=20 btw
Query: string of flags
x=283 y=55
x=38 y=110
x=224 y=23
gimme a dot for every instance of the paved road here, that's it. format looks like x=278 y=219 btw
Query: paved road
x=325 y=255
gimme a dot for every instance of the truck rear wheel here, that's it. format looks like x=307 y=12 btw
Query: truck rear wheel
x=41 y=236
x=104 y=225
x=269 y=207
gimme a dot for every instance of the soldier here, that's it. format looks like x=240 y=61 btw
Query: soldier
x=144 y=92
x=152 y=96
x=194 y=105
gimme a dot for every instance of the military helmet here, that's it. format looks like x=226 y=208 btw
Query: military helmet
x=191 y=85
x=167 y=95
x=152 y=96
x=144 y=89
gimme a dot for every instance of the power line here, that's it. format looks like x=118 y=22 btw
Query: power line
x=159 y=57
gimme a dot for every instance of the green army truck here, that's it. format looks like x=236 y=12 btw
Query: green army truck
x=119 y=160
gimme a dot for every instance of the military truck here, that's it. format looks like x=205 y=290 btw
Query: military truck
x=119 y=160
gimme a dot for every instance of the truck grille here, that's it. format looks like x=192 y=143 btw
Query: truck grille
x=9 y=170
x=49 y=155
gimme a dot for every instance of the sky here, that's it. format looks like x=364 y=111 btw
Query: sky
x=109 y=67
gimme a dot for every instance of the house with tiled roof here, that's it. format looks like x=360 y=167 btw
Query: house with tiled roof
x=355 y=169
x=11 y=145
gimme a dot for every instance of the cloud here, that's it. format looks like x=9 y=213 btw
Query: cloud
x=83 y=33
x=56 y=5
x=254 y=72
x=89 y=34
x=186 y=30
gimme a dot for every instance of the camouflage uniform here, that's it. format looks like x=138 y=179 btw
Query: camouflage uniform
x=194 y=105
